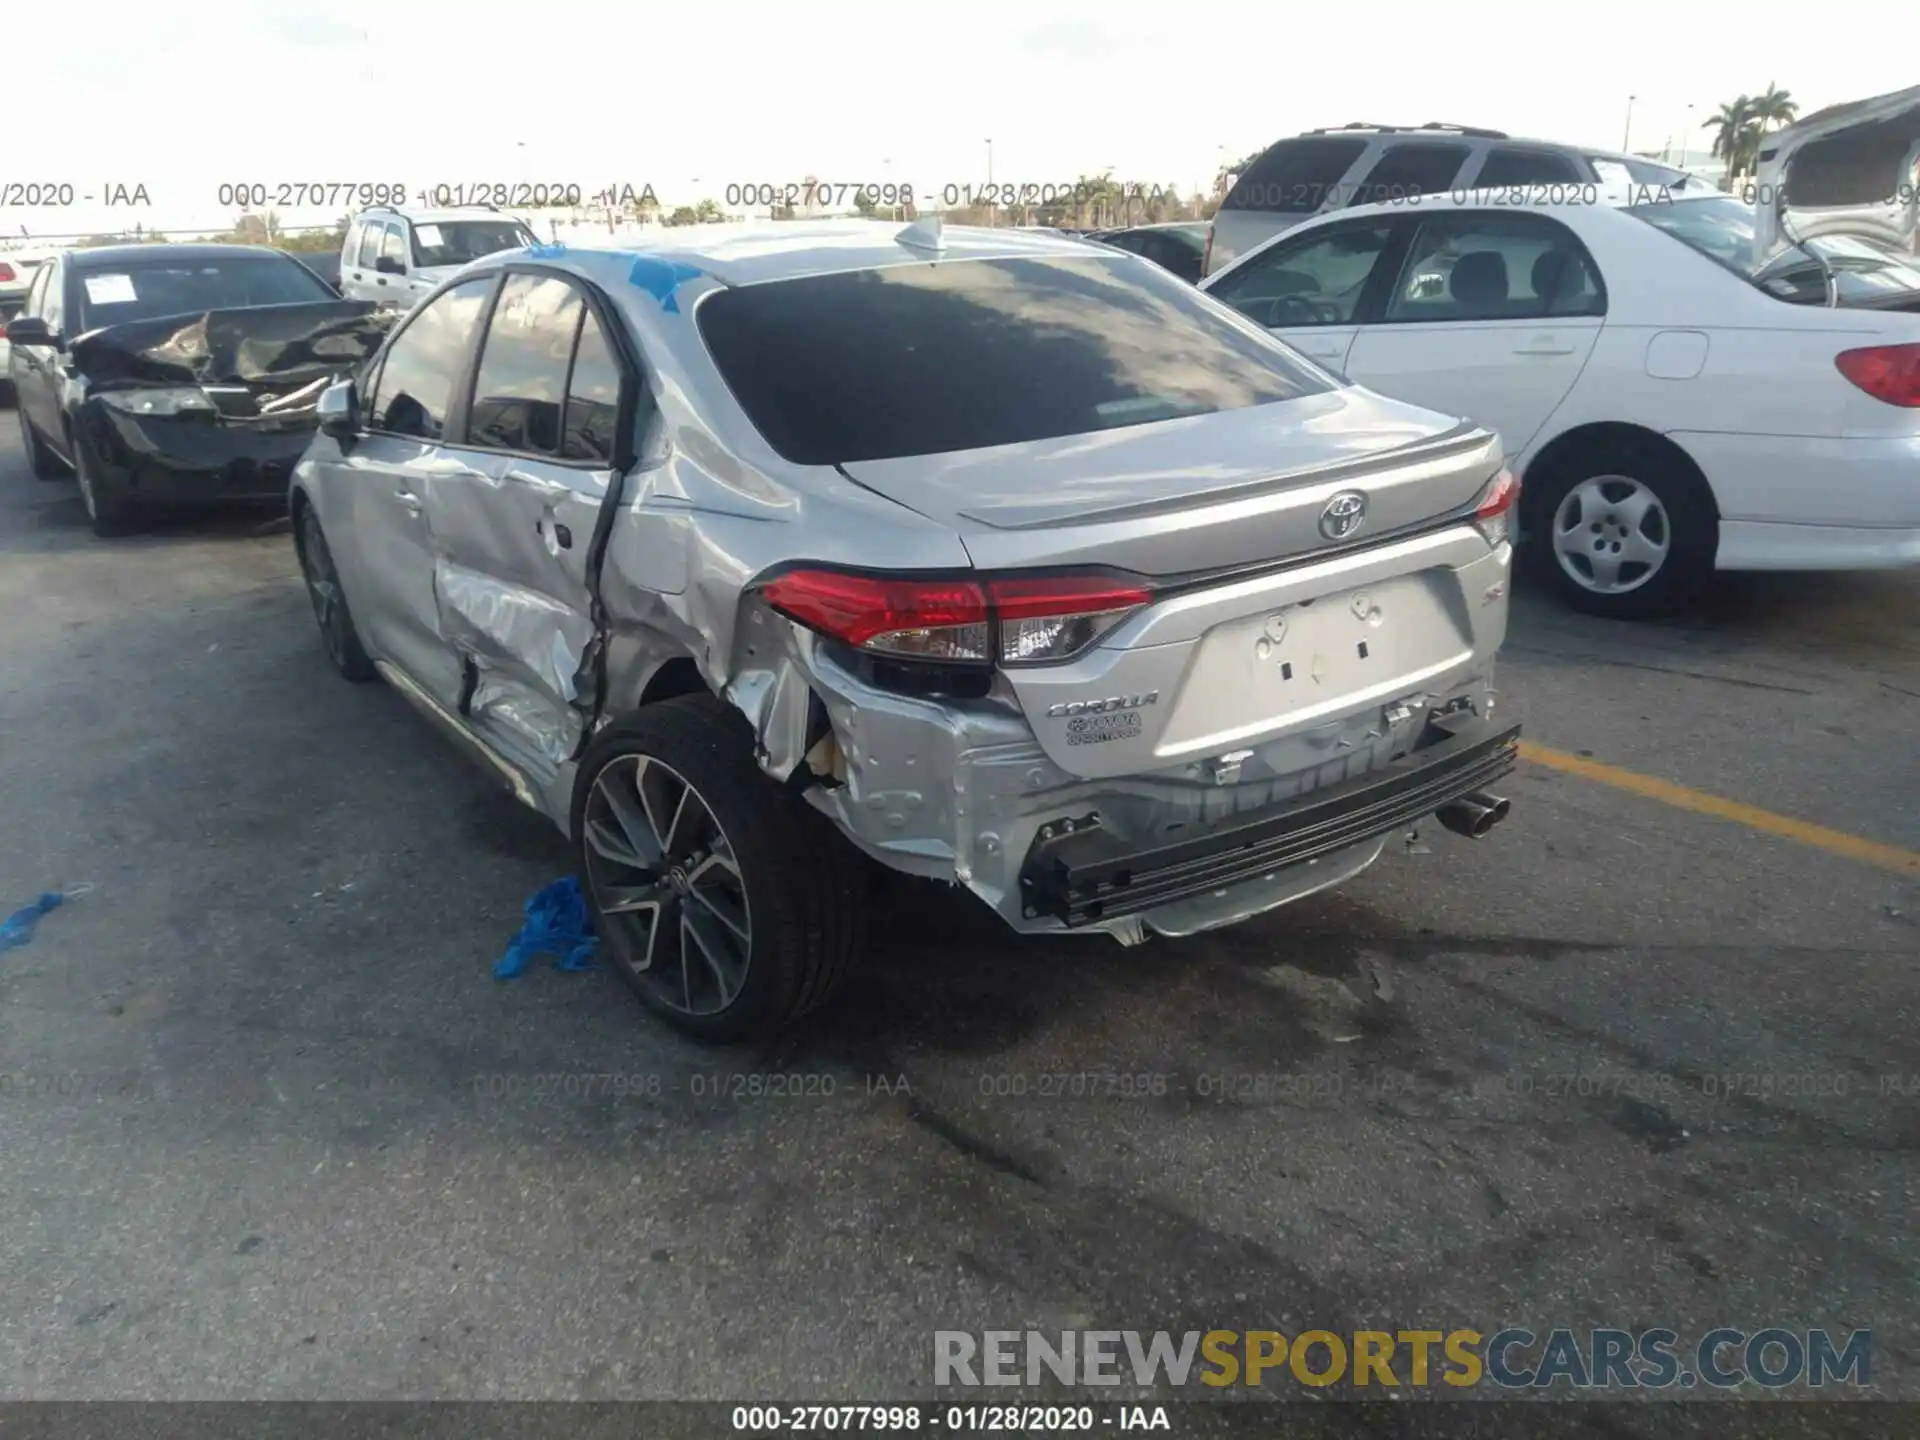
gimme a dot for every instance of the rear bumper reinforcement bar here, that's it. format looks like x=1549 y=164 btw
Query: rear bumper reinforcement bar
x=1087 y=874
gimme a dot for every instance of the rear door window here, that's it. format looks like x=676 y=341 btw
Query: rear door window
x=369 y=245
x=1296 y=176
x=927 y=359
x=1318 y=279
x=1483 y=265
x=1410 y=168
x=1507 y=165
x=394 y=245
x=522 y=380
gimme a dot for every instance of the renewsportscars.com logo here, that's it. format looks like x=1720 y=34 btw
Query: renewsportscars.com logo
x=1510 y=1359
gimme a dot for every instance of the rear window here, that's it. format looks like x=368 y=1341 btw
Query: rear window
x=148 y=290
x=1295 y=176
x=964 y=355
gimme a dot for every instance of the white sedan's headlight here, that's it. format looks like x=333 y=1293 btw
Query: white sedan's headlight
x=185 y=400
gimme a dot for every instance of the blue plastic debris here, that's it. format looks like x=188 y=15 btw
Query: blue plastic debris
x=17 y=929
x=660 y=278
x=546 y=250
x=558 y=925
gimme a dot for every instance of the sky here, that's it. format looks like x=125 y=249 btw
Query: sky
x=180 y=100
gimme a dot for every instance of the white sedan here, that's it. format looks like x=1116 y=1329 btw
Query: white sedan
x=1676 y=392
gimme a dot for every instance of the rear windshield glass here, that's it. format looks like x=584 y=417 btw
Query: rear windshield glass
x=1297 y=176
x=149 y=289
x=455 y=242
x=1722 y=229
x=963 y=355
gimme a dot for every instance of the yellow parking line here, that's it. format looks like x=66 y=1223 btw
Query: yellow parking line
x=1834 y=842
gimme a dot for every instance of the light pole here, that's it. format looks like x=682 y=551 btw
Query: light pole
x=1686 y=137
x=1626 y=135
x=989 y=180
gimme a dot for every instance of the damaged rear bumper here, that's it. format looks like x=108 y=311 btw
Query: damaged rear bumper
x=1079 y=873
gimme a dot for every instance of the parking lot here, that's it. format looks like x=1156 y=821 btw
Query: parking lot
x=272 y=1129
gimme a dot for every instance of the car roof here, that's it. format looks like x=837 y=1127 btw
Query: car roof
x=784 y=250
x=102 y=256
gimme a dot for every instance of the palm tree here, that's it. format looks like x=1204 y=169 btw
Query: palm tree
x=1730 y=127
x=1775 y=107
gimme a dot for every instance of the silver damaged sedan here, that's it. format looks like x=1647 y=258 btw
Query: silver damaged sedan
x=994 y=556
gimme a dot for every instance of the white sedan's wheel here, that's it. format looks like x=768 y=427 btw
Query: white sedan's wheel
x=1611 y=534
x=1623 y=526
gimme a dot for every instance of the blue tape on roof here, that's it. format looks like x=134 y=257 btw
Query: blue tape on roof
x=557 y=924
x=546 y=251
x=660 y=278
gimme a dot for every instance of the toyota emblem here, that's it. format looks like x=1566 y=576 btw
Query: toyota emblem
x=1344 y=514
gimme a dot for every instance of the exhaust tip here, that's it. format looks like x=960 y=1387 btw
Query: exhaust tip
x=1474 y=815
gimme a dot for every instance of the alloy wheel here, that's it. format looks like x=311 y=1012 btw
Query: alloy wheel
x=1611 y=534
x=669 y=892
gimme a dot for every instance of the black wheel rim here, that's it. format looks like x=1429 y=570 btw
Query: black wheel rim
x=666 y=885
x=323 y=586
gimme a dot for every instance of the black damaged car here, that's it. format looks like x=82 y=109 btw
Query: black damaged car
x=164 y=376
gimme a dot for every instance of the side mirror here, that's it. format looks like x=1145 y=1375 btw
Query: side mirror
x=30 y=330
x=387 y=265
x=339 y=410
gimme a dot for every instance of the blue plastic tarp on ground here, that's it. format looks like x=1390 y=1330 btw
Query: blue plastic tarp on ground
x=557 y=924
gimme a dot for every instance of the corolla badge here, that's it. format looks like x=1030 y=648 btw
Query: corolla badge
x=1344 y=514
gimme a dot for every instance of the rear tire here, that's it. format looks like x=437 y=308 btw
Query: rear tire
x=40 y=457
x=728 y=905
x=1621 y=528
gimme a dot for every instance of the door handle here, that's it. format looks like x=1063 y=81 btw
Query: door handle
x=1544 y=348
x=409 y=500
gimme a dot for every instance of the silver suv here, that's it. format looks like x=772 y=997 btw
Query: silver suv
x=1296 y=179
x=395 y=257
x=1012 y=559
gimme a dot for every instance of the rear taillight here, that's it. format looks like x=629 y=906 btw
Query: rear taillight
x=1053 y=618
x=1886 y=372
x=910 y=619
x=7 y=272
x=1018 y=620
x=1495 y=510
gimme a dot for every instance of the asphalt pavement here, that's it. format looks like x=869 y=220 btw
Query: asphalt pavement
x=270 y=1129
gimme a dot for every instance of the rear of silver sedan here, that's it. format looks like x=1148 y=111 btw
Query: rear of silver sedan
x=1228 y=622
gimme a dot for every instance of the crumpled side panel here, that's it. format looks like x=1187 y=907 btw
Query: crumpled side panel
x=527 y=648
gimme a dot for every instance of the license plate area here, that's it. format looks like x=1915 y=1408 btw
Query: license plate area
x=1295 y=663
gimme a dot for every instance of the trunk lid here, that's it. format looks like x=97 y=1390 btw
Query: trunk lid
x=1847 y=170
x=1234 y=489
x=1238 y=648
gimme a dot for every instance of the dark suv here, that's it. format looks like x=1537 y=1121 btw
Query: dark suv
x=1368 y=164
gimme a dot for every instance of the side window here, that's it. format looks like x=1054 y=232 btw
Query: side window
x=593 y=398
x=394 y=245
x=37 y=291
x=424 y=360
x=522 y=380
x=1508 y=165
x=1297 y=176
x=1408 y=169
x=1488 y=266
x=1315 y=280
x=53 y=299
x=369 y=244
